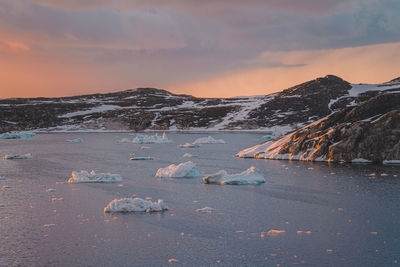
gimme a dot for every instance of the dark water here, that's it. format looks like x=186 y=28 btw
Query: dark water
x=353 y=218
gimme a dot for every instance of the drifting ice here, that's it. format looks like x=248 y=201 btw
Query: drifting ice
x=17 y=135
x=251 y=176
x=135 y=205
x=77 y=140
x=151 y=139
x=92 y=177
x=187 y=155
x=189 y=145
x=181 y=170
x=208 y=140
x=24 y=156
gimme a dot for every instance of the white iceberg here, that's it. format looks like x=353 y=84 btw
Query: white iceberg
x=208 y=140
x=187 y=155
x=17 y=135
x=205 y=210
x=251 y=176
x=189 y=145
x=17 y=156
x=93 y=177
x=151 y=139
x=77 y=140
x=186 y=169
x=125 y=140
x=135 y=205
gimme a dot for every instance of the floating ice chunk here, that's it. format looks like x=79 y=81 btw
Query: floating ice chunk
x=151 y=139
x=189 y=145
x=135 y=205
x=2 y=178
x=77 y=140
x=186 y=169
x=360 y=160
x=187 y=155
x=125 y=140
x=205 y=210
x=17 y=135
x=92 y=177
x=208 y=140
x=251 y=176
x=394 y=161
x=273 y=232
x=141 y=158
x=144 y=147
x=17 y=156
x=49 y=190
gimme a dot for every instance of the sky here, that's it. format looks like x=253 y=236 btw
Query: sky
x=206 y=48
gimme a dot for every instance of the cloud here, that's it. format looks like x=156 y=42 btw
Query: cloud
x=368 y=64
x=13 y=46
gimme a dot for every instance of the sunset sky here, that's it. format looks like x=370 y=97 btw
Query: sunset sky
x=202 y=47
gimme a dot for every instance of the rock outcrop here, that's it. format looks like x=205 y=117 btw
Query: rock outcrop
x=366 y=132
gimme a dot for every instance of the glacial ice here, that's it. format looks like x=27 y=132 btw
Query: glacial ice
x=208 y=140
x=151 y=139
x=77 y=140
x=135 y=205
x=205 y=210
x=17 y=156
x=17 y=135
x=251 y=176
x=189 y=145
x=186 y=169
x=93 y=177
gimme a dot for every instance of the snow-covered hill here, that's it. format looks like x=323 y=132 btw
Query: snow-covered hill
x=155 y=109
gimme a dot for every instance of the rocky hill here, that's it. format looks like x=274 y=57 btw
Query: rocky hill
x=155 y=109
x=368 y=131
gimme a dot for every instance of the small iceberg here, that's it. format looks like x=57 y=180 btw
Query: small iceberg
x=186 y=169
x=205 y=210
x=2 y=178
x=17 y=135
x=151 y=139
x=251 y=176
x=17 y=156
x=135 y=205
x=133 y=157
x=77 y=140
x=93 y=177
x=125 y=140
x=187 y=155
x=208 y=140
x=189 y=145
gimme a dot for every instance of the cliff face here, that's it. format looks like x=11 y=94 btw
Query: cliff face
x=366 y=132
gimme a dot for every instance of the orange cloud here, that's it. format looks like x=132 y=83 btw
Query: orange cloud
x=13 y=46
x=367 y=64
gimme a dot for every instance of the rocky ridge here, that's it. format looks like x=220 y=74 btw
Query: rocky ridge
x=156 y=109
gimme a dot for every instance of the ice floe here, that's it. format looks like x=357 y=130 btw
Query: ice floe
x=205 y=210
x=17 y=156
x=189 y=145
x=77 y=140
x=140 y=158
x=208 y=140
x=135 y=205
x=186 y=169
x=17 y=135
x=151 y=139
x=251 y=176
x=93 y=177
x=187 y=155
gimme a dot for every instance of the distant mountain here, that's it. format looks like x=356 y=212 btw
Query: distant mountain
x=155 y=109
x=366 y=131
